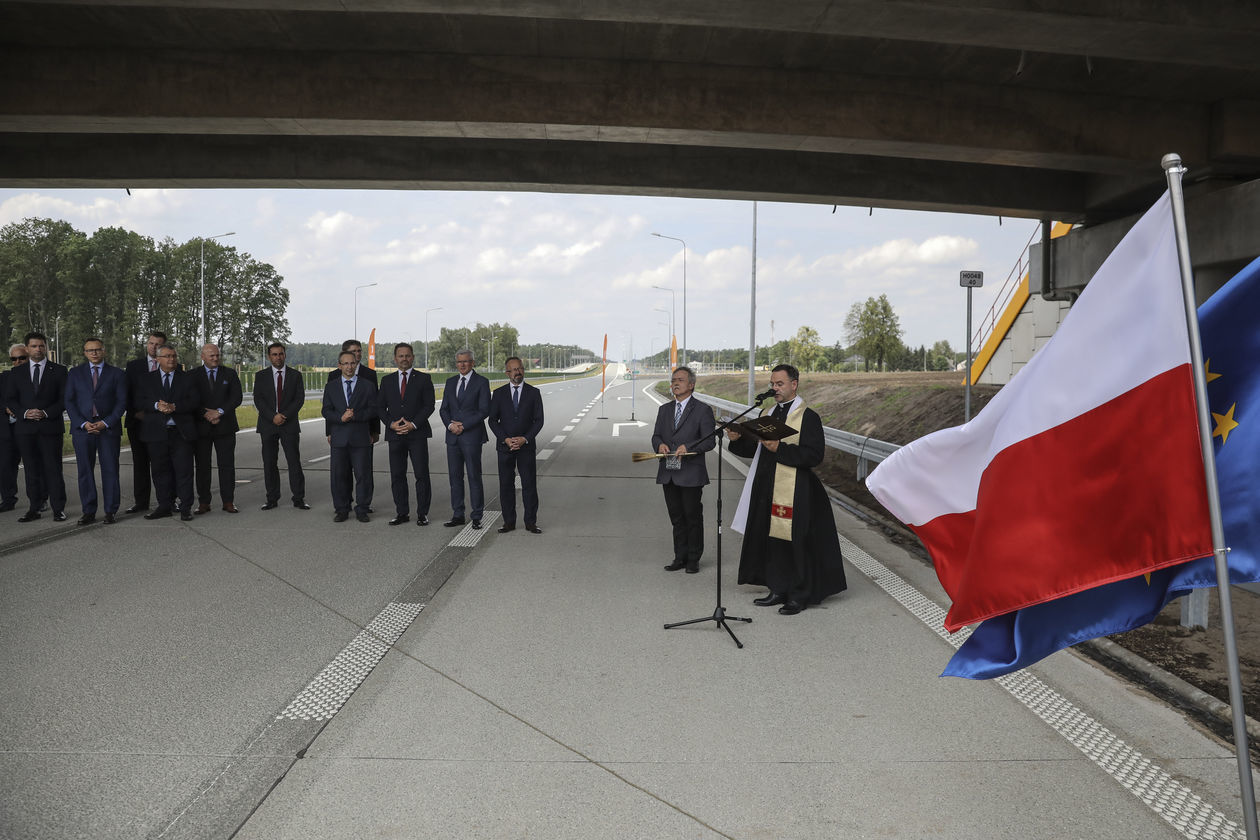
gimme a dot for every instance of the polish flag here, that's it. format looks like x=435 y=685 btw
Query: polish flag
x=1086 y=468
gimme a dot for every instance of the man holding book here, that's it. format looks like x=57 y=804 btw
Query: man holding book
x=790 y=542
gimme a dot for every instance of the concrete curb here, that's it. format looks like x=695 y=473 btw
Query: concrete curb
x=1106 y=650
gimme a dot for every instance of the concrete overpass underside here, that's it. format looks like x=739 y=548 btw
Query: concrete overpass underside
x=1058 y=108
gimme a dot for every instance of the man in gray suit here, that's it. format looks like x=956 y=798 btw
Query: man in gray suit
x=684 y=430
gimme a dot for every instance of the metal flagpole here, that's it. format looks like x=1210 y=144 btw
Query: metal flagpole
x=1174 y=170
x=752 y=315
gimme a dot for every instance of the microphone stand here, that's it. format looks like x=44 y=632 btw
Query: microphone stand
x=719 y=612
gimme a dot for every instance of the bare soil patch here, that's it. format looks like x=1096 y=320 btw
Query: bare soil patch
x=899 y=407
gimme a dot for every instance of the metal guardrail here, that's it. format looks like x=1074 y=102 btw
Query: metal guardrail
x=867 y=449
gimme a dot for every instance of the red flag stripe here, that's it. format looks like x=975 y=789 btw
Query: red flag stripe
x=1057 y=511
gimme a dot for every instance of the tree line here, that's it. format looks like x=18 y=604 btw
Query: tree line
x=118 y=285
x=873 y=332
x=491 y=344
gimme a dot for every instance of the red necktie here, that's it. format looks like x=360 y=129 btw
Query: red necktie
x=402 y=385
x=96 y=378
x=279 y=386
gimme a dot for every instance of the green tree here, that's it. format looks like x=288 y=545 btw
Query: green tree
x=805 y=348
x=874 y=330
x=941 y=356
x=39 y=259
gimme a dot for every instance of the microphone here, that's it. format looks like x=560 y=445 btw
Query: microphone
x=767 y=395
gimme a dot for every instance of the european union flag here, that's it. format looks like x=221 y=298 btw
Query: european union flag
x=1231 y=351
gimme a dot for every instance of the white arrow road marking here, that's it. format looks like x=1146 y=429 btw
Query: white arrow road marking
x=617 y=427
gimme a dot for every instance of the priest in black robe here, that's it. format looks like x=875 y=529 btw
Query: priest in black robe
x=790 y=542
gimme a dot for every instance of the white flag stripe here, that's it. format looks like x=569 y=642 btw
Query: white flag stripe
x=1127 y=327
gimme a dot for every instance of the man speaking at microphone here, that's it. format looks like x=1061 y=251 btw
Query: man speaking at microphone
x=684 y=425
x=790 y=542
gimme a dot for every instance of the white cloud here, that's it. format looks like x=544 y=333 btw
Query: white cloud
x=329 y=226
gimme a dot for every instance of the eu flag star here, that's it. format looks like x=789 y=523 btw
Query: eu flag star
x=1207 y=370
x=1225 y=423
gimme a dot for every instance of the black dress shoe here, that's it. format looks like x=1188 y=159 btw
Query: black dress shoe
x=476 y=523
x=5 y=507
x=398 y=520
x=363 y=517
x=454 y=521
x=270 y=505
x=186 y=515
x=301 y=504
x=511 y=526
x=770 y=599
x=29 y=516
x=160 y=513
x=790 y=608
x=422 y=521
x=533 y=529
x=136 y=509
x=675 y=566
x=109 y=519
x=341 y=516
x=691 y=570
x=60 y=516
x=87 y=519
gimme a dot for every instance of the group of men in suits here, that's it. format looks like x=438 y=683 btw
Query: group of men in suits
x=174 y=419
x=515 y=415
x=355 y=408
x=180 y=421
x=177 y=419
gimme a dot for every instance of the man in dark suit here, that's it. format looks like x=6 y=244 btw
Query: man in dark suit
x=684 y=425
x=405 y=404
x=278 y=396
x=349 y=403
x=465 y=404
x=219 y=392
x=141 y=468
x=516 y=418
x=9 y=454
x=36 y=394
x=352 y=345
x=169 y=428
x=96 y=397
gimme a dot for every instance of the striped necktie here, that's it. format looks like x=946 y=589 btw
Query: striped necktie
x=677 y=414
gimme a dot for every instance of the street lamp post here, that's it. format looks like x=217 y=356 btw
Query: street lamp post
x=673 y=334
x=426 y=335
x=203 y=280
x=490 y=351
x=681 y=350
x=664 y=311
x=356 y=306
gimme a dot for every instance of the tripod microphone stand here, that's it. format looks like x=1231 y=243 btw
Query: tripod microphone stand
x=719 y=612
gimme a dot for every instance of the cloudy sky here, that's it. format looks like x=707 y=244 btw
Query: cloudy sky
x=570 y=268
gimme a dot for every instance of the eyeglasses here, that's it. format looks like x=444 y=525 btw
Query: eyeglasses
x=17 y=358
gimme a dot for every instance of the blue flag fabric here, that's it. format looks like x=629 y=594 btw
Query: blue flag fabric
x=1231 y=350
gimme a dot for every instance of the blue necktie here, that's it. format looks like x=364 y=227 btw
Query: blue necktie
x=166 y=385
x=516 y=397
x=459 y=392
x=677 y=414
x=347 y=393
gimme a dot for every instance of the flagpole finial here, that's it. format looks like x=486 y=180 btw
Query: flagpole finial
x=1172 y=160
